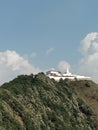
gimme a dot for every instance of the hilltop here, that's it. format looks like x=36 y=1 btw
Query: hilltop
x=36 y=102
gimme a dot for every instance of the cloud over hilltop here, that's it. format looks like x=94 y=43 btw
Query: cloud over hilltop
x=12 y=64
x=89 y=63
x=89 y=45
x=63 y=65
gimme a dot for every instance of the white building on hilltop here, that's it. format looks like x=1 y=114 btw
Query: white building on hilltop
x=53 y=74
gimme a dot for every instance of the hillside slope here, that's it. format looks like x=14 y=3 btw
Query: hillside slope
x=39 y=103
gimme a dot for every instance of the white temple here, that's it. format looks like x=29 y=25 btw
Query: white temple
x=53 y=74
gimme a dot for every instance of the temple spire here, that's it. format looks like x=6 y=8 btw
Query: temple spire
x=67 y=71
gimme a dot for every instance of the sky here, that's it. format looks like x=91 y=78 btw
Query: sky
x=37 y=35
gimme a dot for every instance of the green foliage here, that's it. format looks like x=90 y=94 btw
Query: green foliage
x=85 y=108
x=39 y=103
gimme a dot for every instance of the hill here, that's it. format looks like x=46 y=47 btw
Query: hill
x=39 y=103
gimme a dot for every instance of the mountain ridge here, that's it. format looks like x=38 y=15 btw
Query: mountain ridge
x=36 y=102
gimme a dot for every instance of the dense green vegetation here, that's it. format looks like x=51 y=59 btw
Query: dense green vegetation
x=39 y=103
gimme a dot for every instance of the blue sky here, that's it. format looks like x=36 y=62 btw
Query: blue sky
x=49 y=30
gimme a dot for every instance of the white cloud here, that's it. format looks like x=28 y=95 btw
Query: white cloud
x=50 y=50
x=89 y=44
x=88 y=65
x=30 y=57
x=63 y=65
x=12 y=64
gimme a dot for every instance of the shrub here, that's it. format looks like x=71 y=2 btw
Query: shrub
x=84 y=108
